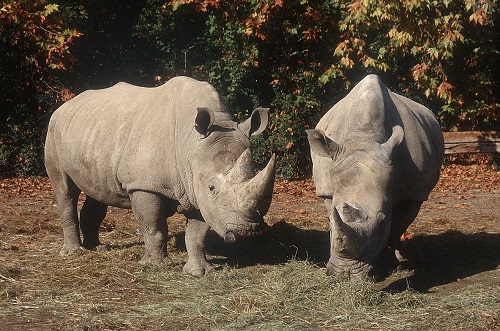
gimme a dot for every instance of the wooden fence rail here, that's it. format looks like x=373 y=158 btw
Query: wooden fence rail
x=471 y=142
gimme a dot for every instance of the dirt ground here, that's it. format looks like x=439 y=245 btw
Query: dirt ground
x=455 y=241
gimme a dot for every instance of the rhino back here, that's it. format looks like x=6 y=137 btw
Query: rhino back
x=123 y=138
x=419 y=158
x=367 y=114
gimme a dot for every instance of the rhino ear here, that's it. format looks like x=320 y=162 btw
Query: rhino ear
x=395 y=139
x=204 y=120
x=321 y=144
x=257 y=122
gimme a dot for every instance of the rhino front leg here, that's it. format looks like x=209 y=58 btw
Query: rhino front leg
x=91 y=217
x=151 y=211
x=403 y=214
x=197 y=264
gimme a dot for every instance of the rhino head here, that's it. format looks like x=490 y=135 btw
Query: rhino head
x=360 y=207
x=231 y=196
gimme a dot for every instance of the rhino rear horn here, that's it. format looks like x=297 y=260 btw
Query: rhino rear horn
x=243 y=169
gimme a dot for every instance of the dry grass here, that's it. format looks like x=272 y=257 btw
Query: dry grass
x=277 y=282
x=109 y=291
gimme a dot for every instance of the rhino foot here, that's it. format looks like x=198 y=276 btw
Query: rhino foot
x=147 y=259
x=95 y=247
x=197 y=268
x=71 y=249
x=387 y=262
x=100 y=248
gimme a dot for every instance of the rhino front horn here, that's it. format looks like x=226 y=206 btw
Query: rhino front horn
x=255 y=196
x=346 y=241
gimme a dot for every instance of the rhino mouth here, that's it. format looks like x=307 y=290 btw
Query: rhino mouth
x=347 y=269
x=244 y=229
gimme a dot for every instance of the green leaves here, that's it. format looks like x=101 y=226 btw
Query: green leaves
x=50 y=8
x=430 y=43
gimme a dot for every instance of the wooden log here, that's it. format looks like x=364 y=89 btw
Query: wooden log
x=471 y=142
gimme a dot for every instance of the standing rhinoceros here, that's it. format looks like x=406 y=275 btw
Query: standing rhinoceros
x=376 y=157
x=161 y=150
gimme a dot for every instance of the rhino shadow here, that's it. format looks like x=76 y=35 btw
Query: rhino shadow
x=282 y=242
x=445 y=258
x=434 y=259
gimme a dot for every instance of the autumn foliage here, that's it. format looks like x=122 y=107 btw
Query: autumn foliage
x=443 y=49
x=34 y=44
x=297 y=56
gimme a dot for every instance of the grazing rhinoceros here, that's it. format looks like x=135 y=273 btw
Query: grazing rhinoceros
x=376 y=157
x=161 y=150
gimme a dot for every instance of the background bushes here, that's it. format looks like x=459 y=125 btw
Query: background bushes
x=298 y=57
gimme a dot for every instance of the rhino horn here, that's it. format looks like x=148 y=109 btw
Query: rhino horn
x=243 y=169
x=255 y=195
x=347 y=242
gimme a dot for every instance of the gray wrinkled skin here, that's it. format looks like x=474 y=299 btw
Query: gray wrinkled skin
x=159 y=150
x=376 y=157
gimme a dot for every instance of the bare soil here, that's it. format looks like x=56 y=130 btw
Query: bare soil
x=453 y=244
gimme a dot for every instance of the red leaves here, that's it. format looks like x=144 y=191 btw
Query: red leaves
x=42 y=37
x=35 y=187
x=444 y=91
x=304 y=187
x=406 y=236
x=356 y=7
x=66 y=94
x=468 y=172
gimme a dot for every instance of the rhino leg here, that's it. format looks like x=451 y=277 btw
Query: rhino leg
x=197 y=264
x=67 y=199
x=403 y=214
x=91 y=217
x=151 y=211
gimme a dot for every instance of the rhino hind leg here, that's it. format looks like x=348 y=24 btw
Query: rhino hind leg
x=197 y=264
x=151 y=212
x=91 y=217
x=67 y=199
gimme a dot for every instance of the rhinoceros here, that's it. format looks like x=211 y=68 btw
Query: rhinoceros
x=162 y=150
x=376 y=157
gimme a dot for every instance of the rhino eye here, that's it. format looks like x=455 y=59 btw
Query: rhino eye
x=211 y=188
